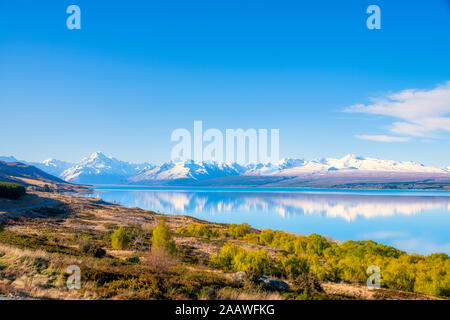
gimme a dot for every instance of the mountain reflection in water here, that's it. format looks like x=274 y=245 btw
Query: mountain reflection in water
x=406 y=221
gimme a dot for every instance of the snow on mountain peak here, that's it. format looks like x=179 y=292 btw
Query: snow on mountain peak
x=102 y=169
x=97 y=156
x=290 y=162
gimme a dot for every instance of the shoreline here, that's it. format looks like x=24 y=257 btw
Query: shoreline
x=262 y=188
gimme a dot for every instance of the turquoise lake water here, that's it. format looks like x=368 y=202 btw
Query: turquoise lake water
x=414 y=221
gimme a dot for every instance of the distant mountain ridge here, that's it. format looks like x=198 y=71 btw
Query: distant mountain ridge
x=101 y=169
x=13 y=171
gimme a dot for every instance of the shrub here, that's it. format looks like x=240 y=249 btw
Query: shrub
x=134 y=258
x=316 y=244
x=348 y=261
x=162 y=238
x=199 y=230
x=225 y=258
x=120 y=239
x=433 y=276
x=292 y=266
x=45 y=188
x=91 y=248
x=308 y=282
x=11 y=191
x=234 y=258
x=257 y=261
x=239 y=231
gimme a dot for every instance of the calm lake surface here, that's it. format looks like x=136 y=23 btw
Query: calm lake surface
x=414 y=221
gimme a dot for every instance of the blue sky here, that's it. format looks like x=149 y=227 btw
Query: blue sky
x=137 y=70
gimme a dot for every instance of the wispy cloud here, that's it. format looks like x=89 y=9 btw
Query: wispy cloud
x=381 y=138
x=422 y=113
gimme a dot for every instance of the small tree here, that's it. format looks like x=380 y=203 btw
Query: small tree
x=239 y=231
x=120 y=239
x=162 y=238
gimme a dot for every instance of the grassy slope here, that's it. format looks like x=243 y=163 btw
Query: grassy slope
x=36 y=249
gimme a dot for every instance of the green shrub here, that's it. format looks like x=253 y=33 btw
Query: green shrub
x=239 y=231
x=199 y=230
x=291 y=266
x=234 y=258
x=120 y=239
x=134 y=258
x=347 y=261
x=45 y=188
x=162 y=238
x=91 y=248
x=225 y=258
x=11 y=191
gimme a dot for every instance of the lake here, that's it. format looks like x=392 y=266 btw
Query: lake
x=413 y=221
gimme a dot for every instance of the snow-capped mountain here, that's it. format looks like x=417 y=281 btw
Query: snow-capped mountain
x=100 y=169
x=53 y=166
x=348 y=167
x=188 y=169
x=352 y=162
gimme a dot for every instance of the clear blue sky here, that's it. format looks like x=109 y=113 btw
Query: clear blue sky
x=137 y=70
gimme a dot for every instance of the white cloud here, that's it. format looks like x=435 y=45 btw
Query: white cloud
x=422 y=113
x=381 y=138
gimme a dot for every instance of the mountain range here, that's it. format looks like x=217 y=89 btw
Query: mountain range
x=99 y=168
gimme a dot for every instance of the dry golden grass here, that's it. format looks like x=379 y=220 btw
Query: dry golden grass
x=27 y=281
x=161 y=259
x=148 y=227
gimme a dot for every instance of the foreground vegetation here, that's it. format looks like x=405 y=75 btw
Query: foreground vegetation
x=332 y=262
x=11 y=191
x=319 y=257
x=136 y=254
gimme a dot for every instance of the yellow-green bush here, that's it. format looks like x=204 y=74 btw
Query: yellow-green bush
x=120 y=239
x=234 y=258
x=162 y=238
x=349 y=261
x=199 y=230
x=291 y=266
x=239 y=231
